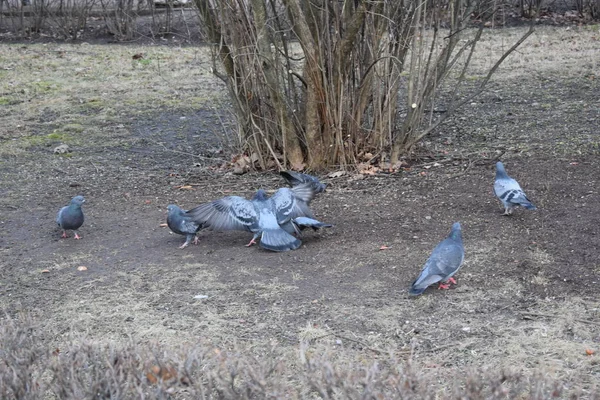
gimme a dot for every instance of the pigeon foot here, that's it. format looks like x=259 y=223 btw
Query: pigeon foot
x=183 y=246
x=195 y=240
x=64 y=235
x=444 y=286
x=452 y=280
x=251 y=243
x=77 y=236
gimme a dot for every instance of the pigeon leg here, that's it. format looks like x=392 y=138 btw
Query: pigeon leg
x=444 y=286
x=195 y=240
x=77 y=236
x=452 y=280
x=64 y=235
x=506 y=211
x=183 y=246
x=253 y=241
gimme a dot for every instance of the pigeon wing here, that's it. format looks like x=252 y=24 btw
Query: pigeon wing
x=226 y=214
x=444 y=261
x=292 y=203
x=59 y=216
x=297 y=178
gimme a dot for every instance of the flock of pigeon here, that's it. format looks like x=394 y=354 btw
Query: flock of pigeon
x=279 y=220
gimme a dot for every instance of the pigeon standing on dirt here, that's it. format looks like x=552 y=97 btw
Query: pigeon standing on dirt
x=269 y=218
x=182 y=224
x=444 y=262
x=509 y=191
x=71 y=216
x=297 y=178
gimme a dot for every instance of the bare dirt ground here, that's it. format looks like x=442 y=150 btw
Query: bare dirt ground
x=526 y=297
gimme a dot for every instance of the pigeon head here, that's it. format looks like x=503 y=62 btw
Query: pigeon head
x=171 y=208
x=456 y=232
x=260 y=195
x=500 y=171
x=77 y=201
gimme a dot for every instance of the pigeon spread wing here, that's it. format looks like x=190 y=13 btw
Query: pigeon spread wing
x=228 y=213
x=292 y=203
x=297 y=178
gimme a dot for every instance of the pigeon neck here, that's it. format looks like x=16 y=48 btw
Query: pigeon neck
x=260 y=195
x=456 y=235
x=500 y=172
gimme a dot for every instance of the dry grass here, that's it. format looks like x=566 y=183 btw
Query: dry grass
x=86 y=90
x=89 y=369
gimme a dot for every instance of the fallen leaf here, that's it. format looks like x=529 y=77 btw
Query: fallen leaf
x=82 y=268
x=163 y=225
x=384 y=247
x=137 y=56
x=574 y=163
x=589 y=352
x=185 y=187
x=45 y=271
x=148 y=201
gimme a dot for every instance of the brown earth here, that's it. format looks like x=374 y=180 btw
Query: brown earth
x=526 y=296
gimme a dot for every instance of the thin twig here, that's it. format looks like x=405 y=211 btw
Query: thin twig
x=536 y=314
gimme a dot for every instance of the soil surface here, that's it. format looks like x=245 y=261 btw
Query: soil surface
x=526 y=294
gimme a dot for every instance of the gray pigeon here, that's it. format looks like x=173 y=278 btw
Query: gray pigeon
x=509 y=191
x=71 y=216
x=297 y=178
x=444 y=262
x=264 y=216
x=182 y=224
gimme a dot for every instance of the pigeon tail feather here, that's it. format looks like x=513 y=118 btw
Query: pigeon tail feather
x=278 y=240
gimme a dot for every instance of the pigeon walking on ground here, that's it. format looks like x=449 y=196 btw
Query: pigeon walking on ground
x=444 y=262
x=182 y=224
x=509 y=191
x=71 y=217
x=297 y=178
x=264 y=216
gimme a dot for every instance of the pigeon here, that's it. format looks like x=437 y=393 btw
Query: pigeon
x=509 y=191
x=182 y=224
x=444 y=262
x=297 y=178
x=262 y=215
x=71 y=216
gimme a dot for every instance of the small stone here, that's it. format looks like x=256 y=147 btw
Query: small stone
x=62 y=149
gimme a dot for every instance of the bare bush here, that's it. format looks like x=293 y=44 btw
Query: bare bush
x=120 y=18
x=67 y=18
x=359 y=79
x=86 y=369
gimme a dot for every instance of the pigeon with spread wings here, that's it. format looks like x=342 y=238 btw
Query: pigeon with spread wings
x=264 y=216
x=297 y=178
